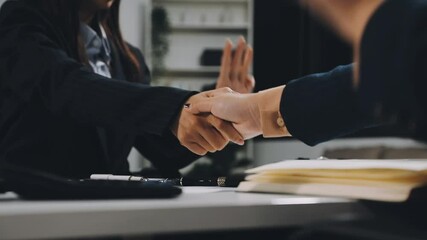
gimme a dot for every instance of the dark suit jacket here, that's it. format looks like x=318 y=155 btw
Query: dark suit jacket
x=57 y=115
x=393 y=81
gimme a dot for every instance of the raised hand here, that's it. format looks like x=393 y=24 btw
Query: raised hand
x=204 y=133
x=240 y=109
x=235 y=69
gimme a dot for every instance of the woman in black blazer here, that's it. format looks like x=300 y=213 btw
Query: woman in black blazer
x=74 y=96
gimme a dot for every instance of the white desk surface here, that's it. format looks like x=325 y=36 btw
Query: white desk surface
x=197 y=209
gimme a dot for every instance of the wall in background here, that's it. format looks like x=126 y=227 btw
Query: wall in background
x=135 y=23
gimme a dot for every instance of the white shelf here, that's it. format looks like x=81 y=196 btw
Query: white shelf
x=197 y=25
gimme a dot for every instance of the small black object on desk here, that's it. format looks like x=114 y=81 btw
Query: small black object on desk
x=35 y=184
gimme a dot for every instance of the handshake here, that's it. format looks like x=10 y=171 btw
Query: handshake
x=210 y=120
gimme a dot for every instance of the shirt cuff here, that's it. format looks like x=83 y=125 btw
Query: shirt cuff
x=272 y=123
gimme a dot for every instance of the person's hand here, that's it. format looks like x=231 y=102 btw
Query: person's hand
x=235 y=69
x=240 y=109
x=204 y=133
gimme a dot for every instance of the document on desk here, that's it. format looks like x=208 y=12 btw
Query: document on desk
x=391 y=180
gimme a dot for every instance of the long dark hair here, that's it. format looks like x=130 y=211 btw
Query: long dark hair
x=66 y=16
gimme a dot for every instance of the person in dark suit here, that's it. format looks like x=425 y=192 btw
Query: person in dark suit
x=384 y=85
x=75 y=97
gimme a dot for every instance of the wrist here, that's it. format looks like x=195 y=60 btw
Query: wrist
x=271 y=121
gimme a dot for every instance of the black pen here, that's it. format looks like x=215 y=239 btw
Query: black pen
x=229 y=181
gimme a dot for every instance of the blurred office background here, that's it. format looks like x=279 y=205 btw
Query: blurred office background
x=182 y=39
x=288 y=44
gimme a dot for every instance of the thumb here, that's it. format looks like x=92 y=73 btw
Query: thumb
x=204 y=106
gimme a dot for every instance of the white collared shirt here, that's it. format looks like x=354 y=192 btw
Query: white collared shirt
x=97 y=49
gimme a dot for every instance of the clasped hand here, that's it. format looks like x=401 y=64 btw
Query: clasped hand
x=241 y=110
x=204 y=132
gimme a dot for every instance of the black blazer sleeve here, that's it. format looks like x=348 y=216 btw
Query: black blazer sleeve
x=393 y=66
x=319 y=107
x=165 y=152
x=393 y=79
x=35 y=67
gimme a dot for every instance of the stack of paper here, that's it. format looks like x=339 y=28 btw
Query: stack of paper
x=382 y=180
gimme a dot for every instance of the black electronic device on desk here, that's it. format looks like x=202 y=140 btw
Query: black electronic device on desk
x=34 y=184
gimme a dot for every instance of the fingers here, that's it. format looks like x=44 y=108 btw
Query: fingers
x=235 y=67
x=237 y=58
x=201 y=107
x=227 y=130
x=181 y=128
x=212 y=134
x=195 y=148
x=198 y=136
x=247 y=62
x=226 y=60
x=206 y=140
x=218 y=92
x=206 y=103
